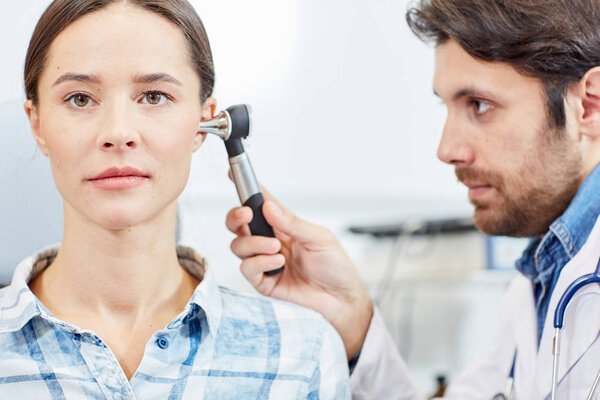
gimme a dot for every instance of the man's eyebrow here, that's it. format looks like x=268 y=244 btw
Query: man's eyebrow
x=469 y=92
x=158 y=77
x=68 y=77
x=472 y=92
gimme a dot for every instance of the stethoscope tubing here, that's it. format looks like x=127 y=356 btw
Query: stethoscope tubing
x=594 y=386
x=559 y=318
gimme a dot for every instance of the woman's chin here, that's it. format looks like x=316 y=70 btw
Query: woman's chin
x=120 y=221
x=123 y=215
x=119 y=224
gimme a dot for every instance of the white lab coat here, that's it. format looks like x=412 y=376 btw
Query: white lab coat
x=381 y=373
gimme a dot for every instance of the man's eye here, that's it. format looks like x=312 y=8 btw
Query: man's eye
x=480 y=106
x=154 y=98
x=80 y=100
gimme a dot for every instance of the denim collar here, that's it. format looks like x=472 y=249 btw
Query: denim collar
x=568 y=233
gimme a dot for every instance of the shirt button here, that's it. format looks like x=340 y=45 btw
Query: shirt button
x=162 y=342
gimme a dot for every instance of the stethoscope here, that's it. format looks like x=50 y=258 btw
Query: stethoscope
x=559 y=317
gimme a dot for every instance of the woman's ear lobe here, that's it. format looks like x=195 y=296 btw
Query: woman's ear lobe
x=198 y=140
x=34 y=122
x=589 y=119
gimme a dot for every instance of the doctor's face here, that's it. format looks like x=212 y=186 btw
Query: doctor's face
x=520 y=172
x=118 y=111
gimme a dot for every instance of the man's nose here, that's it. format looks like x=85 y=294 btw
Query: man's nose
x=118 y=131
x=454 y=147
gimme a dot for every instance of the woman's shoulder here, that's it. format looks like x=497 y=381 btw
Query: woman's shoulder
x=301 y=341
x=297 y=330
x=249 y=304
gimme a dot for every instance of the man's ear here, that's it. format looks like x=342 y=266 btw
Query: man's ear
x=34 y=121
x=208 y=112
x=589 y=94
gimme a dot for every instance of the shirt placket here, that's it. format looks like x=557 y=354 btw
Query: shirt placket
x=104 y=367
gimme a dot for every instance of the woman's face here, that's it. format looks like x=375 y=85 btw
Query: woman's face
x=118 y=111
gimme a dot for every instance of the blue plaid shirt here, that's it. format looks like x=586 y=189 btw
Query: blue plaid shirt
x=545 y=257
x=224 y=345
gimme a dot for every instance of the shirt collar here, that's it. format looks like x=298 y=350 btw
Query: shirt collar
x=571 y=229
x=574 y=226
x=18 y=305
x=206 y=297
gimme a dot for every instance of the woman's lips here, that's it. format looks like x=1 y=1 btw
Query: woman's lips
x=119 y=179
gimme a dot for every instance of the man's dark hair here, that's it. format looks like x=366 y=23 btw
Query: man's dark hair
x=557 y=41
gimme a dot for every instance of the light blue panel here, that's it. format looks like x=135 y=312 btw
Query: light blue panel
x=30 y=206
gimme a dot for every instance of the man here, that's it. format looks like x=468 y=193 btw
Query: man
x=521 y=81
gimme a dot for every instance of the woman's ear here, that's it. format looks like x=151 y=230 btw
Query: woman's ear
x=589 y=96
x=34 y=121
x=208 y=112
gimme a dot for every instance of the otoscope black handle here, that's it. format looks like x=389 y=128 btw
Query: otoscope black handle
x=259 y=225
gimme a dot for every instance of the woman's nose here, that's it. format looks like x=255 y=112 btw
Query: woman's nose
x=454 y=147
x=117 y=144
x=118 y=131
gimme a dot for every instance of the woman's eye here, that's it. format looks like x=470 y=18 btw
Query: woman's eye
x=80 y=100
x=154 y=98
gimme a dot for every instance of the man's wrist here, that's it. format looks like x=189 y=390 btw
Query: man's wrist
x=357 y=322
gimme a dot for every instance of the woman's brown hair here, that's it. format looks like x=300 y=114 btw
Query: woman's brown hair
x=61 y=13
x=557 y=41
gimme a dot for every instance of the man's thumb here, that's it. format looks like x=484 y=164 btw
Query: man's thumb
x=286 y=222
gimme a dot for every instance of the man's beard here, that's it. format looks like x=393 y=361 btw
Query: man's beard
x=526 y=203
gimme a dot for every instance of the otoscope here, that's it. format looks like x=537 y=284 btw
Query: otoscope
x=232 y=125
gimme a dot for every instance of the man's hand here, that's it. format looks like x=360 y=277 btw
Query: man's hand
x=318 y=273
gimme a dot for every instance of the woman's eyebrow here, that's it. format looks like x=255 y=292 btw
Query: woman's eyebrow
x=158 y=77
x=144 y=78
x=69 y=76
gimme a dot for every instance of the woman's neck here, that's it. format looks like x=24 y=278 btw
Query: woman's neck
x=126 y=274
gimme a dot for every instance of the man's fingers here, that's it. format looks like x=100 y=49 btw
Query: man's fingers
x=286 y=222
x=254 y=269
x=238 y=219
x=269 y=196
x=249 y=246
x=281 y=219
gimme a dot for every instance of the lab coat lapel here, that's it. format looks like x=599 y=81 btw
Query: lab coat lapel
x=526 y=340
x=581 y=325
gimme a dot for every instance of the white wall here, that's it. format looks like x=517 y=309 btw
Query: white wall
x=342 y=96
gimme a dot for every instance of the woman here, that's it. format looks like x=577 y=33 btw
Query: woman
x=115 y=92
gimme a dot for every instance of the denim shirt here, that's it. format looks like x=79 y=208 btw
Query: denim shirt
x=544 y=258
x=223 y=345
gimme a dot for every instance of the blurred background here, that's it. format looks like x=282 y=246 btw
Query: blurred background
x=345 y=134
